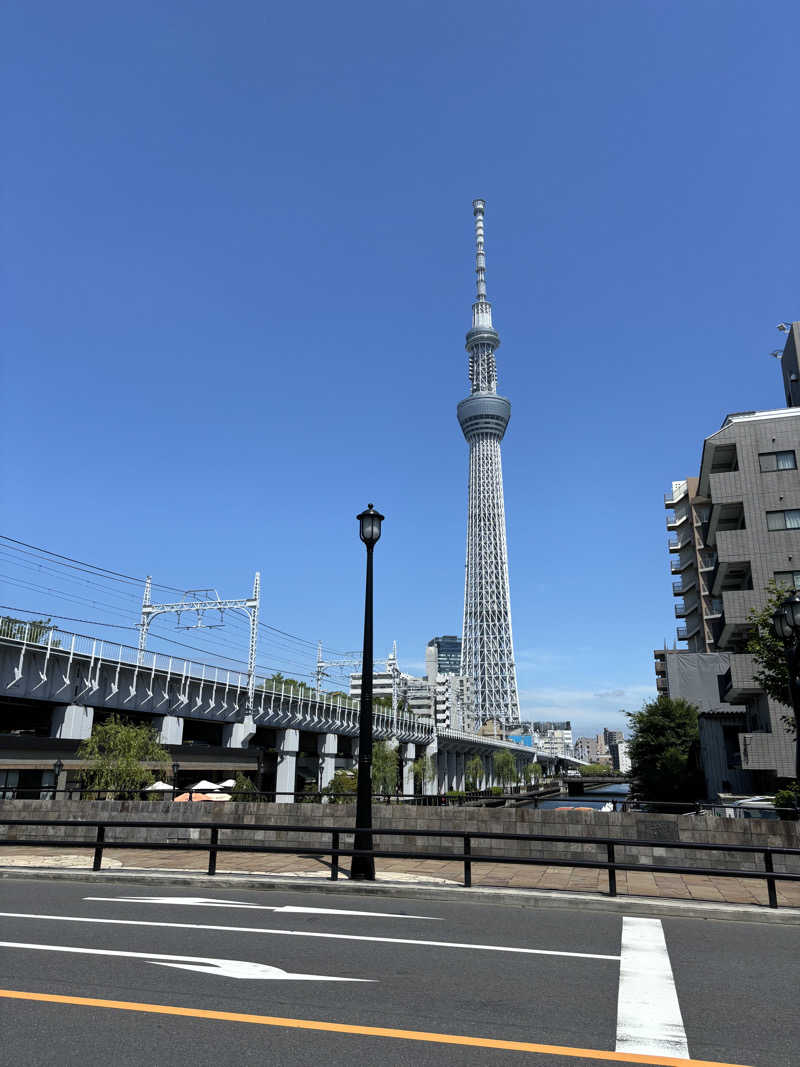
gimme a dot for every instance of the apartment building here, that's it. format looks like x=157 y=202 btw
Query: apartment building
x=734 y=528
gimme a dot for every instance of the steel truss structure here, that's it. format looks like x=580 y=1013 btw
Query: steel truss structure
x=487 y=648
x=199 y=606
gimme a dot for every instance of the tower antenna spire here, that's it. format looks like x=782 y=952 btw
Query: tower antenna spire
x=481 y=309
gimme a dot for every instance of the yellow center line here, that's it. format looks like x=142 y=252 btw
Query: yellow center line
x=367 y=1031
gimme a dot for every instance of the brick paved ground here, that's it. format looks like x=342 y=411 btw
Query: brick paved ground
x=501 y=875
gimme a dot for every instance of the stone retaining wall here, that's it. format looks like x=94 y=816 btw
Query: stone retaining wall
x=669 y=829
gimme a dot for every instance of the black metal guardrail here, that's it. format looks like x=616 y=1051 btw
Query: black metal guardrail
x=468 y=857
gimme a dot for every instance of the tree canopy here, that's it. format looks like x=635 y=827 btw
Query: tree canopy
x=505 y=768
x=766 y=647
x=385 y=765
x=664 y=750
x=119 y=751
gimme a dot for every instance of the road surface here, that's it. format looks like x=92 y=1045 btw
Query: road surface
x=99 y=973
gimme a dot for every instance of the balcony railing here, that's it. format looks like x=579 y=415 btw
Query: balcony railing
x=683 y=633
x=675 y=544
x=682 y=586
x=678 y=565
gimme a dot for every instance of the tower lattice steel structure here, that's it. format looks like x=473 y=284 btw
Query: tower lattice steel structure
x=487 y=649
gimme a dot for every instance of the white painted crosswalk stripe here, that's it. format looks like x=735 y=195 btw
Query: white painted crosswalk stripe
x=648 y=1013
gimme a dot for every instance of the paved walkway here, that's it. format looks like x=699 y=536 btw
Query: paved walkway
x=499 y=875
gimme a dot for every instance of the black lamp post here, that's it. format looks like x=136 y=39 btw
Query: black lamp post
x=58 y=767
x=786 y=624
x=262 y=759
x=175 y=768
x=363 y=867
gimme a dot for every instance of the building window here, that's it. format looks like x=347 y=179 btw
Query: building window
x=777 y=461
x=790 y=579
x=784 y=520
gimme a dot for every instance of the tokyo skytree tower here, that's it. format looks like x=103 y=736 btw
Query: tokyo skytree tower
x=487 y=648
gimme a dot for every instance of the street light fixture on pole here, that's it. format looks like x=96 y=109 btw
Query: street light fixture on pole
x=363 y=867
x=786 y=624
x=175 y=768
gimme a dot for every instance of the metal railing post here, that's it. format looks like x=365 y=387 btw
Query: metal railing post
x=772 y=895
x=334 y=856
x=612 y=871
x=212 y=852
x=467 y=862
x=98 y=850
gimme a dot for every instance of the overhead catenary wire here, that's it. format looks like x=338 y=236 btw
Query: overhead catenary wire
x=167 y=640
x=105 y=572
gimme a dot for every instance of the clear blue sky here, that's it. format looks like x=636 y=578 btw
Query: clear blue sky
x=237 y=278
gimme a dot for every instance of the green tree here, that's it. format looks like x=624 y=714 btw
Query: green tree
x=244 y=790
x=593 y=769
x=17 y=628
x=767 y=649
x=343 y=782
x=119 y=752
x=530 y=771
x=664 y=750
x=385 y=765
x=424 y=771
x=505 y=768
x=474 y=772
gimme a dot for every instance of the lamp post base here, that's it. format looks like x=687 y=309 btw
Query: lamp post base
x=362 y=869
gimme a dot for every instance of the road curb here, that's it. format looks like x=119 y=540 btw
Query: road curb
x=520 y=898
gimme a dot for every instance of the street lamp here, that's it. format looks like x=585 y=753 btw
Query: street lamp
x=262 y=759
x=58 y=767
x=175 y=768
x=786 y=624
x=363 y=867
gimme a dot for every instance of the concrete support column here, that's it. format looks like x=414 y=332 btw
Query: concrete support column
x=460 y=784
x=73 y=722
x=288 y=747
x=238 y=734
x=327 y=746
x=441 y=772
x=451 y=771
x=171 y=732
x=407 y=757
x=431 y=785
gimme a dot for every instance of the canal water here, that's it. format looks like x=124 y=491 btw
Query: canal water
x=593 y=798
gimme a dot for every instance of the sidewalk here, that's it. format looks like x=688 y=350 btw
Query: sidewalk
x=486 y=875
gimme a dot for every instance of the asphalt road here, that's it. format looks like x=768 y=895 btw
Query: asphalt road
x=627 y=989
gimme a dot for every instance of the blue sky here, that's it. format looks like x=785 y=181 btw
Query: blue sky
x=238 y=276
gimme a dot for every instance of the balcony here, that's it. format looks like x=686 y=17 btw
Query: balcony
x=758 y=751
x=678 y=492
x=724 y=518
x=714 y=608
x=692 y=627
x=708 y=560
x=725 y=487
x=738 y=684
x=683 y=610
x=674 y=521
x=684 y=585
x=683 y=540
x=662 y=685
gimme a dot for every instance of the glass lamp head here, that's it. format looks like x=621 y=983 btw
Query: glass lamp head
x=370 y=525
x=786 y=618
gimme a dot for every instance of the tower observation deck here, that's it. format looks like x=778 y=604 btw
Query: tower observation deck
x=487 y=649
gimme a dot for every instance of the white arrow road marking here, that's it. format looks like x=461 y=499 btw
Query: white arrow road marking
x=209 y=902
x=648 y=1013
x=204 y=964
x=309 y=933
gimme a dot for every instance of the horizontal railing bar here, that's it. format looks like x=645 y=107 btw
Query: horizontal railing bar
x=455 y=857
x=400 y=832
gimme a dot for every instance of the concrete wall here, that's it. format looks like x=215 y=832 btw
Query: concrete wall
x=663 y=828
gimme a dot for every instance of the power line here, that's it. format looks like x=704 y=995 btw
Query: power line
x=166 y=640
x=107 y=573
